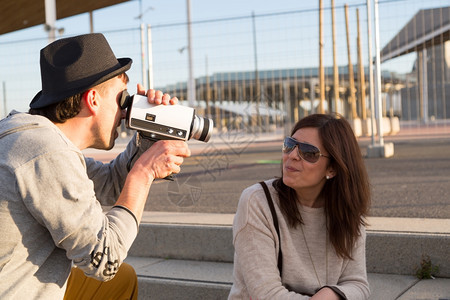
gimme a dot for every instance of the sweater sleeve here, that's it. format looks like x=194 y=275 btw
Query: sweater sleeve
x=109 y=178
x=353 y=280
x=58 y=193
x=256 y=250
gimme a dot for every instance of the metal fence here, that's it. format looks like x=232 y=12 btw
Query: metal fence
x=263 y=70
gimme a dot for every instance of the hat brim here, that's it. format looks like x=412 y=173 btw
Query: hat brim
x=43 y=100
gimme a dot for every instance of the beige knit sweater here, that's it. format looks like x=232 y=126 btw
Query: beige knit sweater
x=256 y=275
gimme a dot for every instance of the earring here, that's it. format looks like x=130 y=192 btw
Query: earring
x=328 y=177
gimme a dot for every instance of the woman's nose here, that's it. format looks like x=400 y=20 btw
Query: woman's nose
x=295 y=154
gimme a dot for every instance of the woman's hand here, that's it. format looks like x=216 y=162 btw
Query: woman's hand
x=326 y=294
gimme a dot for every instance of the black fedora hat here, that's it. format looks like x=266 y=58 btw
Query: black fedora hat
x=73 y=65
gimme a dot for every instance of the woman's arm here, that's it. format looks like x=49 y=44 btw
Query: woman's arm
x=353 y=280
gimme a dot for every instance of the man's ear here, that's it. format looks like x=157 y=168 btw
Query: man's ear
x=91 y=100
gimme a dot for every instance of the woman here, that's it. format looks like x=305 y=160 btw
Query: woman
x=321 y=202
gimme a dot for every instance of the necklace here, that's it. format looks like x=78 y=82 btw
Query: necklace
x=312 y=262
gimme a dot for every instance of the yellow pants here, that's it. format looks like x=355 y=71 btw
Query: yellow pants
x=123 y=286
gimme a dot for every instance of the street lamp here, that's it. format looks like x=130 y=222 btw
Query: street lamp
x=144 y=71
x=191 y=79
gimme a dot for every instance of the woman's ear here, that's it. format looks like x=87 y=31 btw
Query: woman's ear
x=91 y=101
x=330 y=173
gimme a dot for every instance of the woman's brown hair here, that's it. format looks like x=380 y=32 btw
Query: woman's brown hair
x=347 y=194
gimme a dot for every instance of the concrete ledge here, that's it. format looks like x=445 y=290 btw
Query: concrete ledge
x=162 y=217
x=409 y=225
x=396 y=245
x=182 y=279
x=356 y=126
x=196 y=242
x=401 y=253
x=367 y=127
x=438 y=288
x=393 y=246
x=387 y=286
x=190 y=256
x=163 y=289
x=395 y=125
x=183 y=270
x=377 y=151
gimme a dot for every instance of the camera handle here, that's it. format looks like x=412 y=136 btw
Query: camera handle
x=143 y=135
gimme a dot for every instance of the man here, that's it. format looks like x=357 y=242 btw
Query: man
x=51 y=195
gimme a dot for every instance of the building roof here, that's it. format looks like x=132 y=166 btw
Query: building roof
x=428 y=27
x=21 y=14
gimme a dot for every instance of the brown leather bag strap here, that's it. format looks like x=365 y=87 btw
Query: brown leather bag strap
x=275 y=223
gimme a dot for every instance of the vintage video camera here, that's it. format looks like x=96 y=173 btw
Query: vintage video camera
x=164 y=122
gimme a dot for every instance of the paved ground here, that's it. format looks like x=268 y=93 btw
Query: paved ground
x=415 y=182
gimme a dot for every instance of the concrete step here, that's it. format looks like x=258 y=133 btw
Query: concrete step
x=393 y=246
x=182 y=279
x=190 y=256
x=166 y=279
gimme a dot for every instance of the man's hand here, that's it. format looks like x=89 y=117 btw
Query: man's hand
x=163 y=158
x=156 y=97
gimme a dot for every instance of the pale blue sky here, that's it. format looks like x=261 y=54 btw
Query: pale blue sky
x=274 y=50
x=162 y=12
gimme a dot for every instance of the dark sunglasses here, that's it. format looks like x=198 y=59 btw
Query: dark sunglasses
x=306 y=151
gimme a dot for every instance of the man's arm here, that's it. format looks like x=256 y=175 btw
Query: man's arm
x=160 y=160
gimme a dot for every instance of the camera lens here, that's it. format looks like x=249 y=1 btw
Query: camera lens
x=201 y=128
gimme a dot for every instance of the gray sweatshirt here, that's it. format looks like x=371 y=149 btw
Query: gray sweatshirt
x=51 y=213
